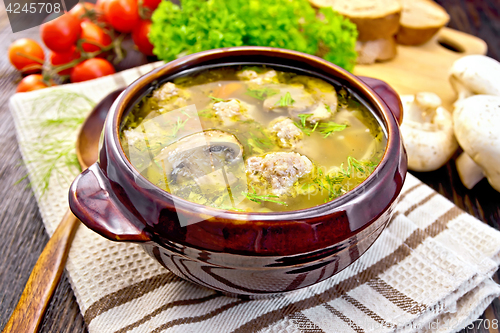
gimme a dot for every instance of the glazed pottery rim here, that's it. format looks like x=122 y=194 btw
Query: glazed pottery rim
x=122 y=103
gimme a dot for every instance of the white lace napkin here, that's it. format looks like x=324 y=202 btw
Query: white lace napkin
x=430 y=270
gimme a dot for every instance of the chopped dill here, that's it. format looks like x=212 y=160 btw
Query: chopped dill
x=64 y=102
x=332 y=184
x=178 y=126
x=259 y=198
x=327 y=107
x=285 y=100
x=325 y=128
x=53 y=154
x=58 y=115
x=315 y=125
x=328 y=128
x=184 y=112
x=365 y=167
x=255 y=140
x=303 y=127
x=304 y=117
x=206 y=113
x=261 y=93
x=262 y=142
x=343 y=180
x=158 y=164
x=216 y=99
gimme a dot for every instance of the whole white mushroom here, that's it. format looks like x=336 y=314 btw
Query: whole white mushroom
x=427 y=131
x=477 y=123
x=475 y=75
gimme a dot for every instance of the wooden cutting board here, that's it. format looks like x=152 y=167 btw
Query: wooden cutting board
x=425 y=67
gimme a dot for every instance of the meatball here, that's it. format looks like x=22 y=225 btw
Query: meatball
x=279 y=170
x=166 y=91
x=288 y=135
x=230 y=111
x=170 y=97
x=247 y=74
x=258 y=79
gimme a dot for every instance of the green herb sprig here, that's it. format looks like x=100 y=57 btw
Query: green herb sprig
x=365 y=167
x=206 y=113
x=340 y=182
x=303 y=124
x=259 y=198
x=261 y=93
x=332 y=184
x=329 y=127
x=303 y=118
x=285 y=100
x=178 y=126
x=55 y=144
x=217 y=99
x=325 y=128
x=262 y=142
x=256 y=139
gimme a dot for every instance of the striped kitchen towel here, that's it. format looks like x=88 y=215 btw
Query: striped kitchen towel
x=430 y=270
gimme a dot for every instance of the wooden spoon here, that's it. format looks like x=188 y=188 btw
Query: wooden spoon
x=28 y=314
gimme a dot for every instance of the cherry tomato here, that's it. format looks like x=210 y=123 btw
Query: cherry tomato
x=57 y=59
x=31 y=82
x=151 y=4
x=93 y=33
x=100 y=8
x=100 y=5
x=91 y=69
x=29 y=47
x=123 y=15
x=81 y=9
x=61 y=33
x=140 y=37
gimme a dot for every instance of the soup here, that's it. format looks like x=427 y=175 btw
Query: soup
x=253 y=139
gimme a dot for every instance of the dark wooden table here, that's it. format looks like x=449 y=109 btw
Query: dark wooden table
x=23 y=236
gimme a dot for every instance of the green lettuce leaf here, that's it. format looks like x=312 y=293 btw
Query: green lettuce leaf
x=199 y=25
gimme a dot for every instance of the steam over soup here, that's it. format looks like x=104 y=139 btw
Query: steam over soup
x=253 y=139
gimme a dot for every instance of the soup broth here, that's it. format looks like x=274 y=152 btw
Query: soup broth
x=253 y=139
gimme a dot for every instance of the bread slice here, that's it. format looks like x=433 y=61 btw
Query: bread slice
x=420 y=20
x=376 y=50
x=375 y=19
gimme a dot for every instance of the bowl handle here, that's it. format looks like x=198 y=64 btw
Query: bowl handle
x=99 y=209
x=388 y=95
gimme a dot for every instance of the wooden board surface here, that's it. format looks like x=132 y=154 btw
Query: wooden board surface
x=425 y=67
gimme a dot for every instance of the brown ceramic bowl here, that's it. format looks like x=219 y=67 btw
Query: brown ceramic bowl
x=253 y=254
